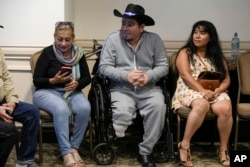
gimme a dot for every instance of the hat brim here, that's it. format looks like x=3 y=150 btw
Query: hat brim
x=147 y=20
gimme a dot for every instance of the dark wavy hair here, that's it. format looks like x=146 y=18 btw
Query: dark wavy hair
x=213 y=52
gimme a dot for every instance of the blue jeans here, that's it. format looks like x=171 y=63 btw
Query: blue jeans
x=29 y=116
x=8 y=137
x=52 y=101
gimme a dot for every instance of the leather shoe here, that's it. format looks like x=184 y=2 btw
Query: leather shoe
x=146 y=160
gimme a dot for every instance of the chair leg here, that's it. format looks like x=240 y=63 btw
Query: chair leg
x=17 y=143
x=236 y=132
x=214 y=132
x=17 y=147
x=40 y=143
x=178 y=128
x=18 y=138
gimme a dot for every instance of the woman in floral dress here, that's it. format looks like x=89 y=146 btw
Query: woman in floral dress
x=202 y=52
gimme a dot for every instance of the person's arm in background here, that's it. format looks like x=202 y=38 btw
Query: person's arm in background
x=7 y=92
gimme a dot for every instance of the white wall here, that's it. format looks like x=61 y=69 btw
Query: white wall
x=174 y=18
x=29 y=26
x=69 y=10
x=29 y=22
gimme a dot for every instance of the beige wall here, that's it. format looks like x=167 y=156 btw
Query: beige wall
x=29 y=26
x=173 y=18
x=31 y=22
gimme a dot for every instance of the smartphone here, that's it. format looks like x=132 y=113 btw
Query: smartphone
x=66 y=69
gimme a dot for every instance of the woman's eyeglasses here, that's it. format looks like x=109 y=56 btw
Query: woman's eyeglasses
x=64 y=23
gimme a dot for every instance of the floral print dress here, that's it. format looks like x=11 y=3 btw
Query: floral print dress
x=184 y=95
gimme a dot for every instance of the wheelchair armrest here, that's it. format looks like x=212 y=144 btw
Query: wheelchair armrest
x=104 y=81
x=164 y=84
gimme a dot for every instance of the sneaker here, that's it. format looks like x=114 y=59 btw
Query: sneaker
x=33 y=165
x=30 y=165
x=146 y=160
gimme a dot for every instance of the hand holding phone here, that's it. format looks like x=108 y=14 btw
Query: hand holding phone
x=66 y=69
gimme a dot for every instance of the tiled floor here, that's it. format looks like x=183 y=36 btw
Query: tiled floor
x=203 y=155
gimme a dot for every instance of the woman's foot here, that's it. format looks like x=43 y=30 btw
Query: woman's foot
x=69 y=160
x=77 y=157
x=224 y=157
x=185 y=156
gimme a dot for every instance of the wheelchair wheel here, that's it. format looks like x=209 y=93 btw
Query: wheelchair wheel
x=98 y=113
x=93 y=98
x=160 y=152
x=103 y=154
x=102 y=117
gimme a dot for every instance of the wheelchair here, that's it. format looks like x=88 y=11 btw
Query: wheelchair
x=101 y=116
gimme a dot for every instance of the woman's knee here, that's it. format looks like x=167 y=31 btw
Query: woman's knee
x=223 y=108
x=200 y=105
x=225 y=111
x=83 y=110
x=84 y=114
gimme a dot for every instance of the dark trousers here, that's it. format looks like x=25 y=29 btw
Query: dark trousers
x=28 y=115
x=8 y=137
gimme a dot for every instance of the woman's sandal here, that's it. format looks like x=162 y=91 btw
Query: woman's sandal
x=77 y=157
x=188 y=161
x=224 y=161
x=70 y=161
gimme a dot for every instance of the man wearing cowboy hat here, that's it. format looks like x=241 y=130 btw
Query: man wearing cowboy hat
x=135 y=60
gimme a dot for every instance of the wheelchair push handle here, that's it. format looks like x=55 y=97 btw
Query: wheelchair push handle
x=96 y=50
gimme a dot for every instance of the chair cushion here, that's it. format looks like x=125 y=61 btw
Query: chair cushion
x=243 y=72
x=45 y=115
x=184 y=111
x=243 y=110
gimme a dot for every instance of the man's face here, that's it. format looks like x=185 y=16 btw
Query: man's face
x=131 y=30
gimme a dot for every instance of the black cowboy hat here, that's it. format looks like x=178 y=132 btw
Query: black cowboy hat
x=137 y=12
